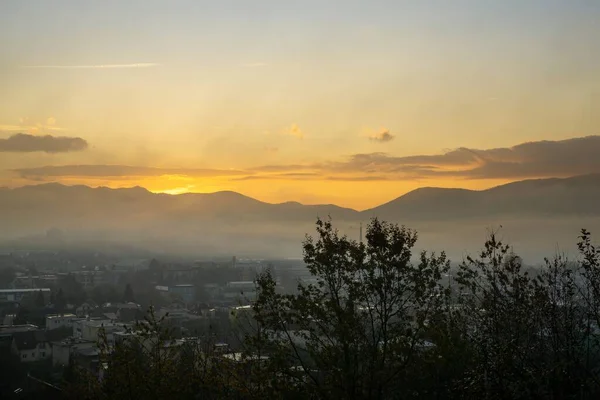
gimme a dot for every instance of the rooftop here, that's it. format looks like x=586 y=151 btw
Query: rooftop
x=24 y=290
x=52 y=316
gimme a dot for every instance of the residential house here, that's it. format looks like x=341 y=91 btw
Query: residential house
x=64 y=350
x=31 y=346
x=55 y=321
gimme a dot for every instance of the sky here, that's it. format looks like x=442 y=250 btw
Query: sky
x=346 y=102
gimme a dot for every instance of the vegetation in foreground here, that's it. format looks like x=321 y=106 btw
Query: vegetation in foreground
x=374 y=325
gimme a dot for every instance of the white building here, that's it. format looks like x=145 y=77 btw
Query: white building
x=56 y=321
x=89 y=330
x=62 y=351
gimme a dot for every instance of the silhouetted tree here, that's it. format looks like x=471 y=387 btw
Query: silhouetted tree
x=128 y=294
x=40 y=302
x=60 y=301
x=7 y=276
x=362 y=323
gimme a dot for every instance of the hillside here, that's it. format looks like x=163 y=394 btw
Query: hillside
x=229 y=222
x=576 y=196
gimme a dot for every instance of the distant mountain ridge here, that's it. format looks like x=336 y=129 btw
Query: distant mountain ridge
x=577 y=195
x=224 y=220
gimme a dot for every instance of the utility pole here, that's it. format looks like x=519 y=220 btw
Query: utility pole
x=360 y=233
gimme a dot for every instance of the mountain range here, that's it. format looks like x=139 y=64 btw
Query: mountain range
x=231 y=223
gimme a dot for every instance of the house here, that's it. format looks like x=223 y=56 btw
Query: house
x=185 y=292
x=240 y=291
x=64 y=350
x=55 y=321
x=129 y=312
x=90 y=330
x=85 y=309
x=31 y=346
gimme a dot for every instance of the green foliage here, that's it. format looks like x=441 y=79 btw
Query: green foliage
x=377 y=322
x=363 y=321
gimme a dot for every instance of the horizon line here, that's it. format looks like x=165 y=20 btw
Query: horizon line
x=290 y=201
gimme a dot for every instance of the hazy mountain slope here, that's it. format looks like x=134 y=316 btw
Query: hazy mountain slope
x=577 y=196
x=231 y=223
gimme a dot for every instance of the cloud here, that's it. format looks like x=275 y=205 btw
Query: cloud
x=97 y=66
x=25 y=125
x=527 y=160
x=538 y=159
x=118 y=171
x=357 y=178
x=25 y=143
x=281 y=176
x=271 y=149
x=294 y=130
x=382 y=136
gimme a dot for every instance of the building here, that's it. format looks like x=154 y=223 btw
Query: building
x=55 y=321
x=89 y=330
x=10 y=329
x=16 y=295
x=185 y=292
x=85 y=309
x=31 y=346
x=240 y=291
x=64 y=350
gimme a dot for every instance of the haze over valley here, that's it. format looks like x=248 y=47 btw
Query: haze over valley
x=538 y=217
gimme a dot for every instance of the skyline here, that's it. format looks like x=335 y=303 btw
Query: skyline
x=345 y=102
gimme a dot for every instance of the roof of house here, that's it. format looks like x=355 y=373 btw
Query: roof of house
x=24 y=290
x=28 y=340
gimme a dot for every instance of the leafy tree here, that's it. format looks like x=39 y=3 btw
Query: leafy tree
x=150 y=364
x=104 y=294
x=362 y=323
x=22 y=316
x=40 y=302
x=60 y=301
x=128 y=294
x=377 y=322
x=73 y=291
x=7 y=276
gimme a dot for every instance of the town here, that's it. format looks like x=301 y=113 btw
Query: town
x=53 y=309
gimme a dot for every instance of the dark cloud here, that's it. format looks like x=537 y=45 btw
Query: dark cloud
x=287 y=176
x=368 y=178
x=25 y=143
x=533 y=159
x=382 y=136
x=117 y=171
x=541 y=159
x=527 y=160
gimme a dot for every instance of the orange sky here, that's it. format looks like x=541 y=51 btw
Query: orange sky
x=352 y=103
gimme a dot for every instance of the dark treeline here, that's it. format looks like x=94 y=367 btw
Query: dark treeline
x=374 y=324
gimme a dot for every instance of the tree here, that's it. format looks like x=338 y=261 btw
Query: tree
x=361 y=324
x=40 y=302
x=60 y=301
x=7 y=276
x=150 y=364
x=104 y=294
x=73 y=291
x=128 y=294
